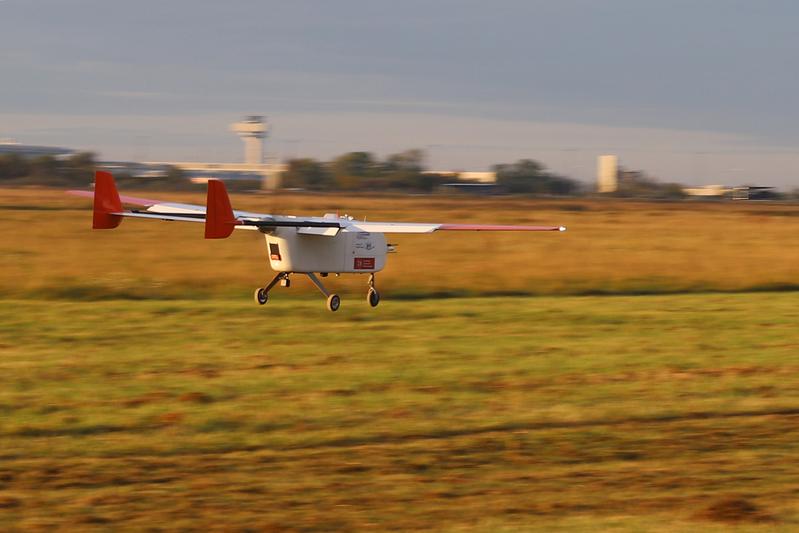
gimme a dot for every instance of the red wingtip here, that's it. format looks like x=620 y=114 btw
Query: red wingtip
x=106 y=202
x=219 y=218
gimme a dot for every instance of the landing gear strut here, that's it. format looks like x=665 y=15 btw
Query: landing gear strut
x=333 y=300
x=261 y=295
x=372 y=296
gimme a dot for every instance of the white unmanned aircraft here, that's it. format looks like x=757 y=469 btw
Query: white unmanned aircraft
x=297 y=245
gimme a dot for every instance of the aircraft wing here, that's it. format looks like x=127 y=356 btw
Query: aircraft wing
x=416 y=227
x=220 y=219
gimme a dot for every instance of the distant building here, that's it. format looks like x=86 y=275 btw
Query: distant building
x=252 y=130
x=741 y=192
x=472 y=188
x=267 y=173
x=607 y=174
x=708 y=191
x=476 y=177
x=754 y=192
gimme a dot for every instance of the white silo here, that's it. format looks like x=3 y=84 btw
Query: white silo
x=607 y=173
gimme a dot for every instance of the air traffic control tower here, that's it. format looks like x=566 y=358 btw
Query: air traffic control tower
x=252 y=131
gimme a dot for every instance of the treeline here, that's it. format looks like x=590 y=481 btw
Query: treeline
x=636 y=184
x=353 y=171
x=531 y=177
x=406 y=171
x=74 y=171
x=78 y=170
x=362 y=171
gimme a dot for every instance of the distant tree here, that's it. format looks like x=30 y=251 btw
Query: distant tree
x=525 y=175
x=174 y=179
x=671 y=191
x=306 y=173
x=354 y=170
x=171 y=179
x=636 y=184
x=563 y=186
x=529 y=176
x=78 y=169
x=47 y=170
x=429 y=182
x=13 y=166
x=405 y=170
x=175 y=176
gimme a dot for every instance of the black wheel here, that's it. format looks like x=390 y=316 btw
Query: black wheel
x=373 y=297
x=333 y=302
x=261 y=296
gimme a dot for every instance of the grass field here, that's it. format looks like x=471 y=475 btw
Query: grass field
x=611 y=247
x=140 y=389
x=628 y=413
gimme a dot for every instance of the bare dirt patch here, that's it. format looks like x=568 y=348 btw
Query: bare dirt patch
x=733 y=510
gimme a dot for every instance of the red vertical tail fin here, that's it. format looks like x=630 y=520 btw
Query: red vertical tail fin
x=219 y=218
x=106 y=202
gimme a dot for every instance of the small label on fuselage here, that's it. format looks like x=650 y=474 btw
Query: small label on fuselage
x=364 y=263
x=274 y=251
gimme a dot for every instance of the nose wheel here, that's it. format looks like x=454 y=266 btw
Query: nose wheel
x=333 y=302
x=261 y=296
x=373 y=297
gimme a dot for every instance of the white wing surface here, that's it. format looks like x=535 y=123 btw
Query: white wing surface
x=417 y=227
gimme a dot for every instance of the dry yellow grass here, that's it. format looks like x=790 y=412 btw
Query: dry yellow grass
x=611 y=246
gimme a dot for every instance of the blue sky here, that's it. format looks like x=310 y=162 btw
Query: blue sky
x=699 y=91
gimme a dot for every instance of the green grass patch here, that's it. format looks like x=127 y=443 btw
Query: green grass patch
x=467 y=414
